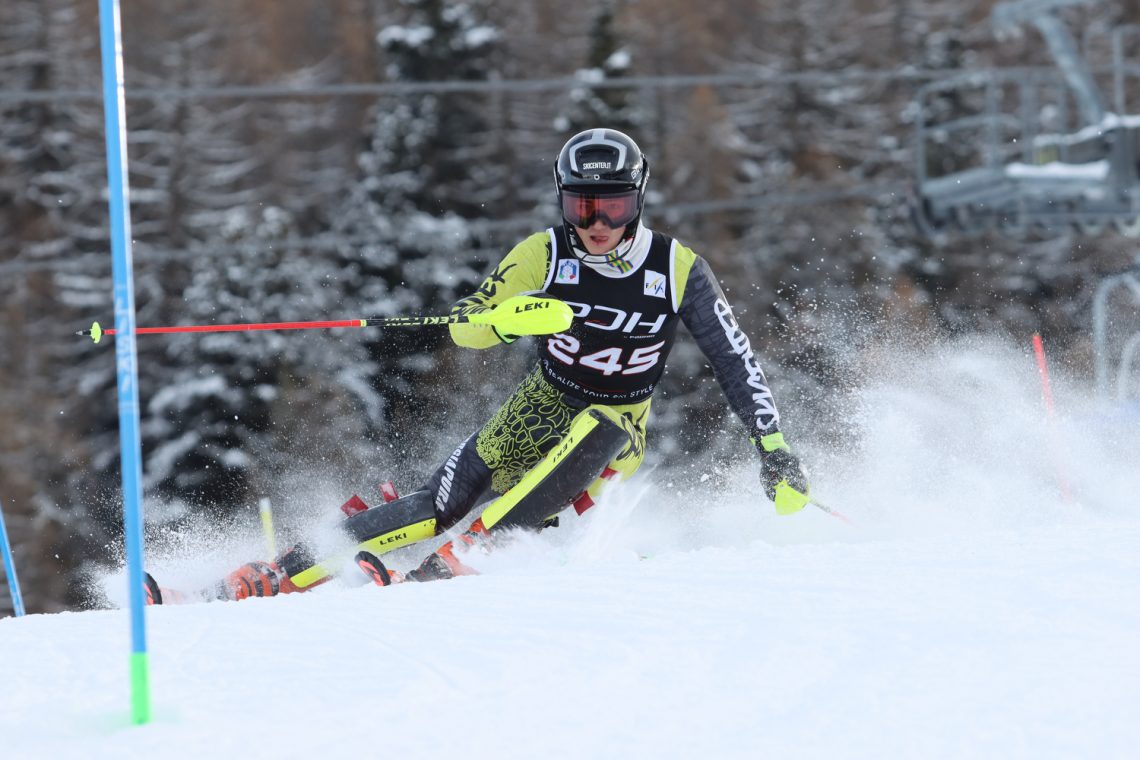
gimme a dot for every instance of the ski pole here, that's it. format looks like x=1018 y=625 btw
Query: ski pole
x=10 y=568
x=518 y=315
x=832 y=512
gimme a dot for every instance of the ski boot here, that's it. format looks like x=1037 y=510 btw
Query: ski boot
x=272 y=578
x=254 y=579
x=443 y=564
x=268 y=578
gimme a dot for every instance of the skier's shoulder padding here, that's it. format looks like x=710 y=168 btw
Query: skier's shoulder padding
x=682 y=260
x=531 y=260
x=522 y=270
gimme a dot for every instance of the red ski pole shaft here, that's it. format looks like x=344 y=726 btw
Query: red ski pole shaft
x=242 y=327
x=522 y=314
x=96 y=332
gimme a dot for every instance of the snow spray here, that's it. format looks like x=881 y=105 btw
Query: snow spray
x=1050 y=412
x=10 y=568
x=266 y=511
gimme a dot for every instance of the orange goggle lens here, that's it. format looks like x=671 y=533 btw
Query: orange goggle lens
x=582 y=209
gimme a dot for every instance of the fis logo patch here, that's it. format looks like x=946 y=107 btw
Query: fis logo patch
x=654 y=284
x=567 y=272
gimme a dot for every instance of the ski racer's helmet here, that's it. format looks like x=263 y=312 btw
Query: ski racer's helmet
x=601 y=173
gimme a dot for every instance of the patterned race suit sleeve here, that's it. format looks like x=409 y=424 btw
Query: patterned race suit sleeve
x=523 y=269
x=708 y=317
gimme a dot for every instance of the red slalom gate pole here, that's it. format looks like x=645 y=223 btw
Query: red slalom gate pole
x=1050 y=412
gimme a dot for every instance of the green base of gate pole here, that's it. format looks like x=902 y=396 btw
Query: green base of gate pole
x=140 y=688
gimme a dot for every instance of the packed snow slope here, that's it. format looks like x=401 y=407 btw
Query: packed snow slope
x=970 y=611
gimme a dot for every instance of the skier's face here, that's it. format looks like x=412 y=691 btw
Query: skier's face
x=599 y=238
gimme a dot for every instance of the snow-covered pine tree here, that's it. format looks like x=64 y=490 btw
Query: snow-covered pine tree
x=221 y=416
x=56 y=272
x=609 y=57
x=24 y=294
x=406 y=245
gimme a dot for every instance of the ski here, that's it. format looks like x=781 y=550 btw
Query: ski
x=159 y=595
x=261 y=579
x=376 y=570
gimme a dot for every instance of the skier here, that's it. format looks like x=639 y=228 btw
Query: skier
x=579 y=417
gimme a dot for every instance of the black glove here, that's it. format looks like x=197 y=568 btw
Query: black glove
x=784 y=479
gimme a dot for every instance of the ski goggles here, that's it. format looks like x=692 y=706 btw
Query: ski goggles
x=615 y=209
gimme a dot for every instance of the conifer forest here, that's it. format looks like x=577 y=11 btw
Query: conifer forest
x=301 y=160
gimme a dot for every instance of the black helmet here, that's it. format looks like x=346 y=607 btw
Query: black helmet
x=605 y=165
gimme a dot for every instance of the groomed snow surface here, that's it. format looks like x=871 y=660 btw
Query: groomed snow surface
x=971 y=611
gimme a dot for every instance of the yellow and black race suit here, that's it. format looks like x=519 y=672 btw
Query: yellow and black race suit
x=586 y=401
x=613 y=355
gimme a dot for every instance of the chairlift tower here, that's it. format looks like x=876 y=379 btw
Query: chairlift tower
x=1022 y=150
x=1125 y=343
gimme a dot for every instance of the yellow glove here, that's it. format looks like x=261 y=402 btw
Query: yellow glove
x=530 y=313
x=784 y=479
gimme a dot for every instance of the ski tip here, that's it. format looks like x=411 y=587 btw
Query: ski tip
x=151 y=589
x=375 y=569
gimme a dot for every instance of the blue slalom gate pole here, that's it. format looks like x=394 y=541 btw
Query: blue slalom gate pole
x=126 y=357
x=10 y=568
